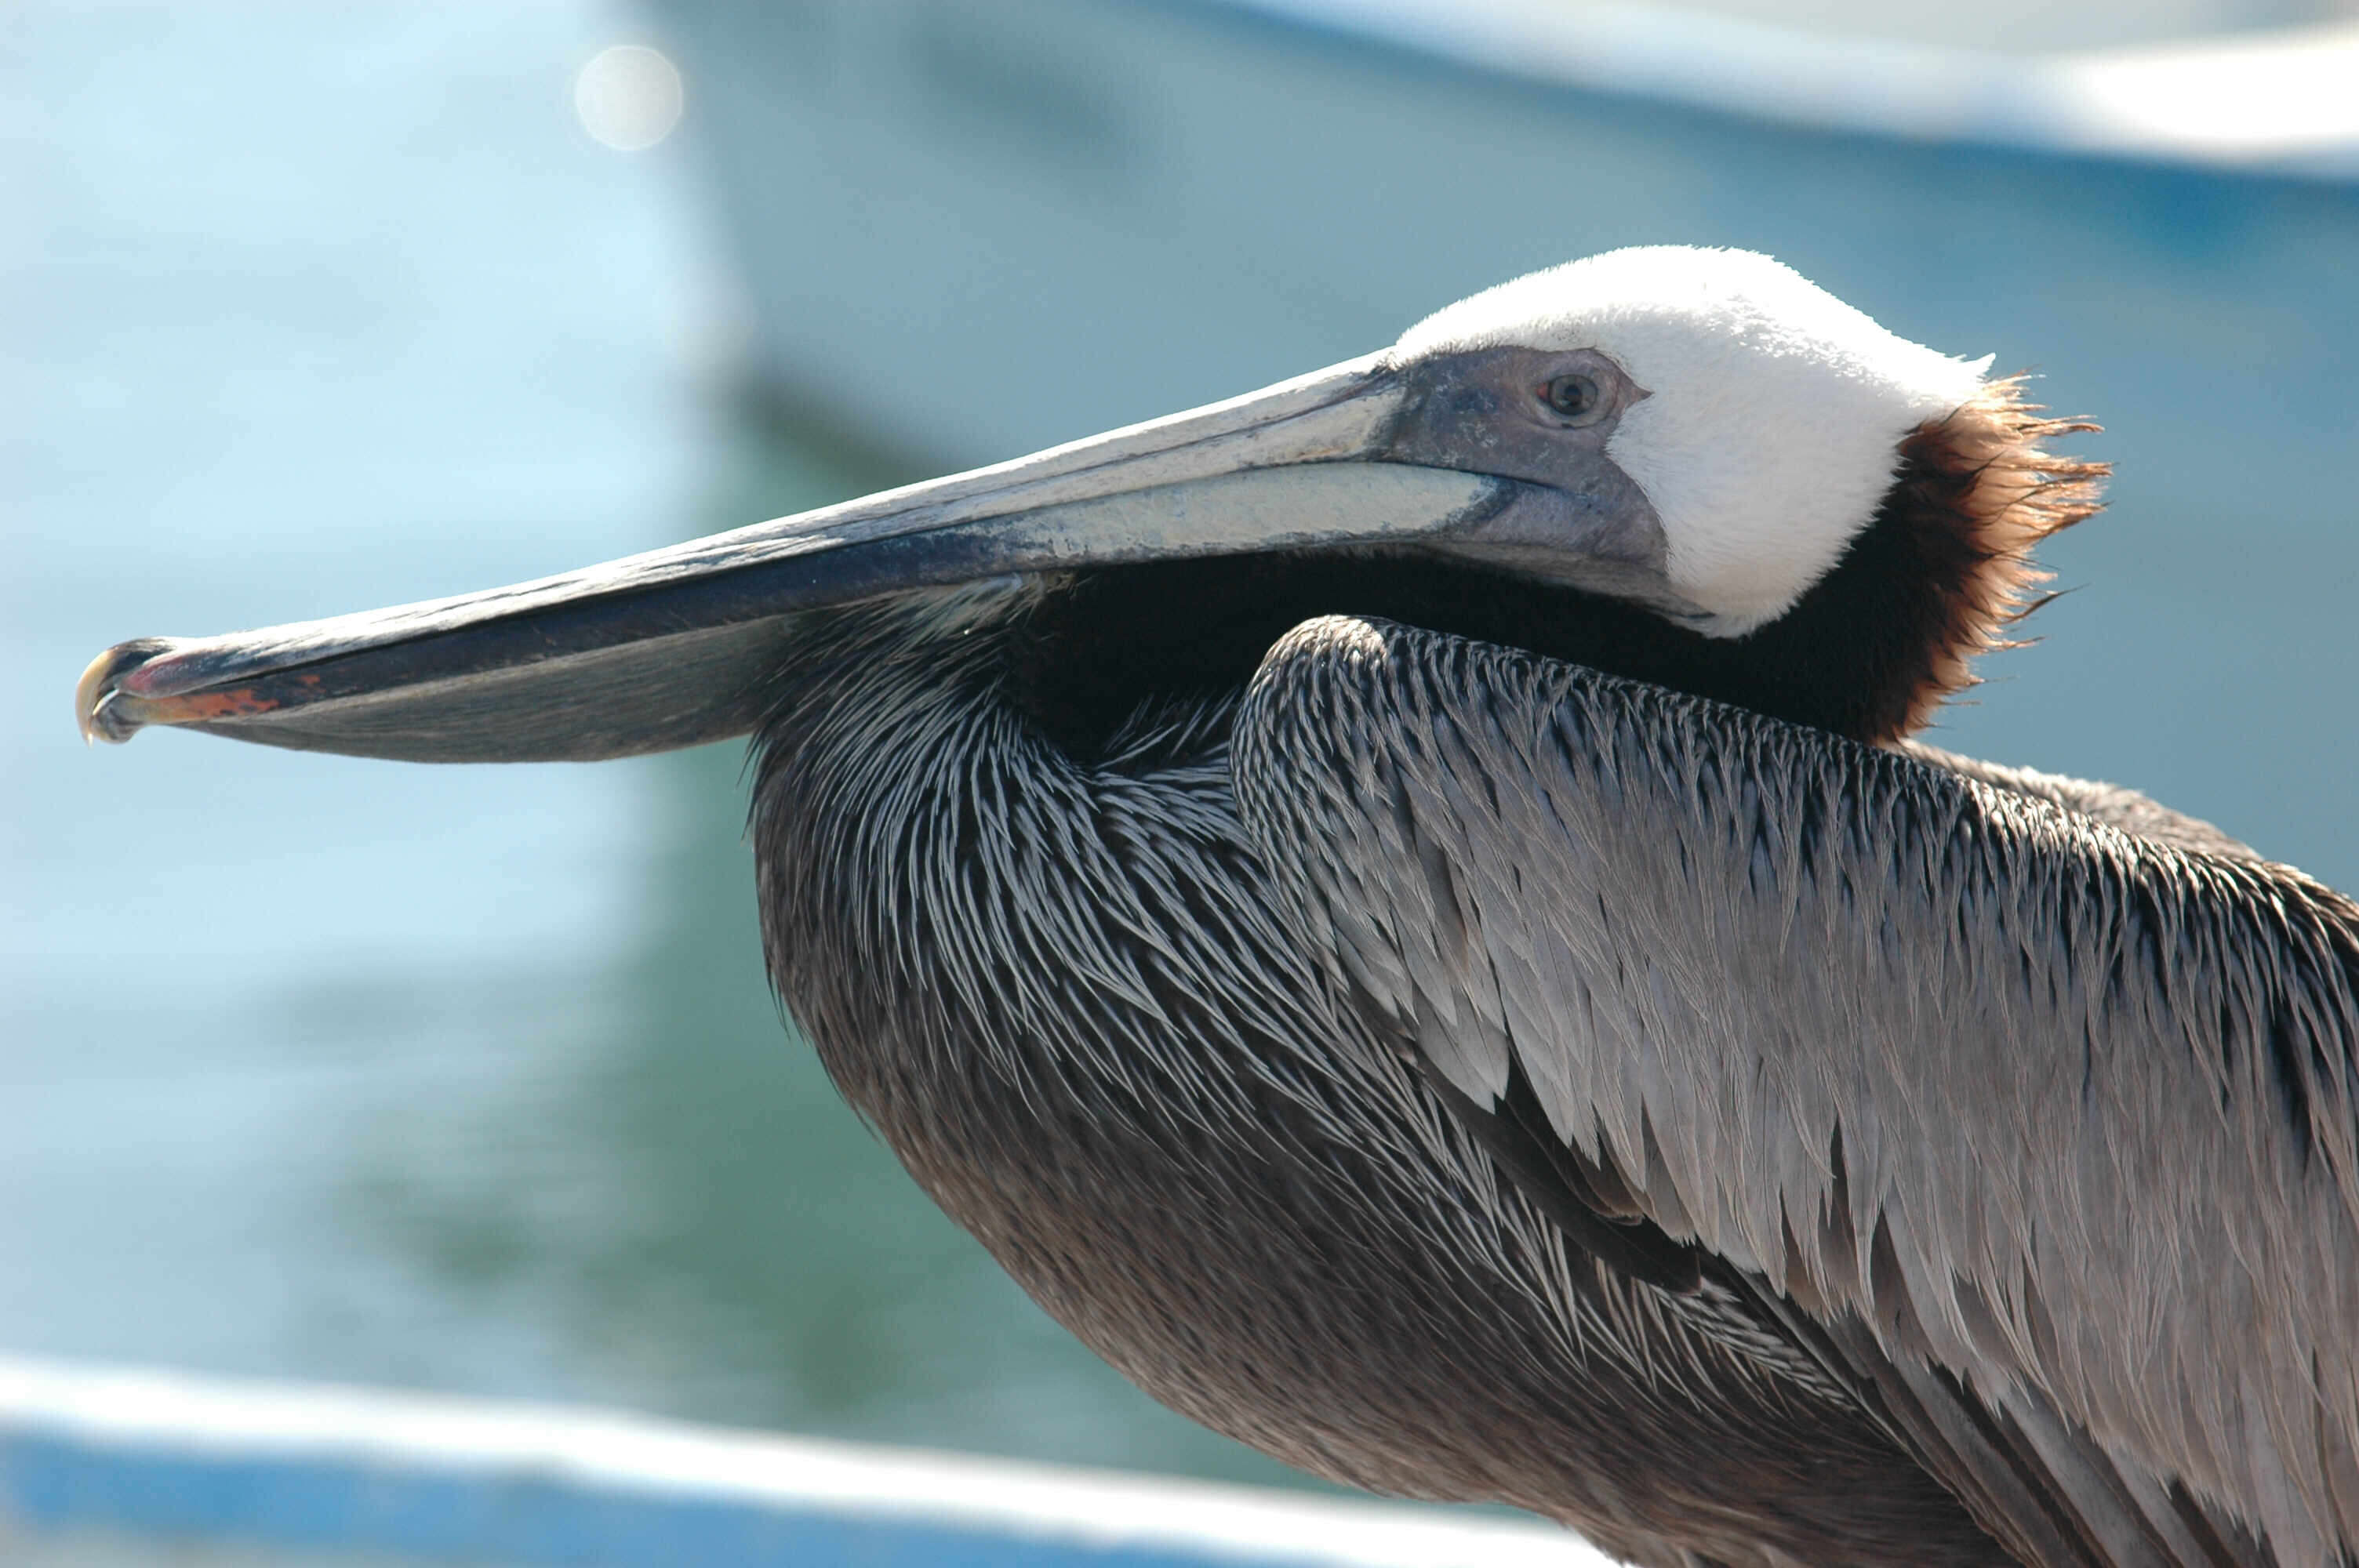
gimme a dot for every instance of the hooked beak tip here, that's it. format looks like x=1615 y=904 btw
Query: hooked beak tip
x=101 y=710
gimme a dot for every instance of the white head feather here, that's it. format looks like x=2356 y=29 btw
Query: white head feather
x=1776 y=410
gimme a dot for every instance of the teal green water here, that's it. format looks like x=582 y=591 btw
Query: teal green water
x=467 y=1079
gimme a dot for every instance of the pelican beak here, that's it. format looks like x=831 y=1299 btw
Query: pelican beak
x=670 y=648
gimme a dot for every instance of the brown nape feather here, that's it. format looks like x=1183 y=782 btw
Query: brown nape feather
x=1870 y=651
x=1975 y=492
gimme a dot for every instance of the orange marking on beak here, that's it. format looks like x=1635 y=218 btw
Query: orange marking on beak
x=199 y=706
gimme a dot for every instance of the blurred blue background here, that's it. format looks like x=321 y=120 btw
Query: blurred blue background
x=468 y=1079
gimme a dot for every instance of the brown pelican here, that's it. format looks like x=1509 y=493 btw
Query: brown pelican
x=1400 y=906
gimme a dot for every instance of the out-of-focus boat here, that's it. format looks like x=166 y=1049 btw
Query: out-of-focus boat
x=973 y=229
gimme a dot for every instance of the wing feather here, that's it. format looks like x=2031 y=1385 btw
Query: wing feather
x=2056 y=1119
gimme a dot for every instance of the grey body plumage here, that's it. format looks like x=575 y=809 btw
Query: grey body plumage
x=1160 y=1036
x=1402 y=908
x=1068 y=997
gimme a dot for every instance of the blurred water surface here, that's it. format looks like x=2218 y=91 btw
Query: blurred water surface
x=468 y=1079
x=460 y=1078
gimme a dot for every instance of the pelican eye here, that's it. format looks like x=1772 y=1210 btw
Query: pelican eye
x=1575 y=397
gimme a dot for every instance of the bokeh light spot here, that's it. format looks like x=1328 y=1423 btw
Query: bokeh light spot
x=629 y=97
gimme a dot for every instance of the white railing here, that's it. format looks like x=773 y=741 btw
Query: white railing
x=185 y=1461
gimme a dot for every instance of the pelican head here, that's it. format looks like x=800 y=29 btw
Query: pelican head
x=1757 y=417
x=1695 y=439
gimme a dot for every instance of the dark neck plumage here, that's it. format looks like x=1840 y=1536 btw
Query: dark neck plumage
x=1870 y=651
